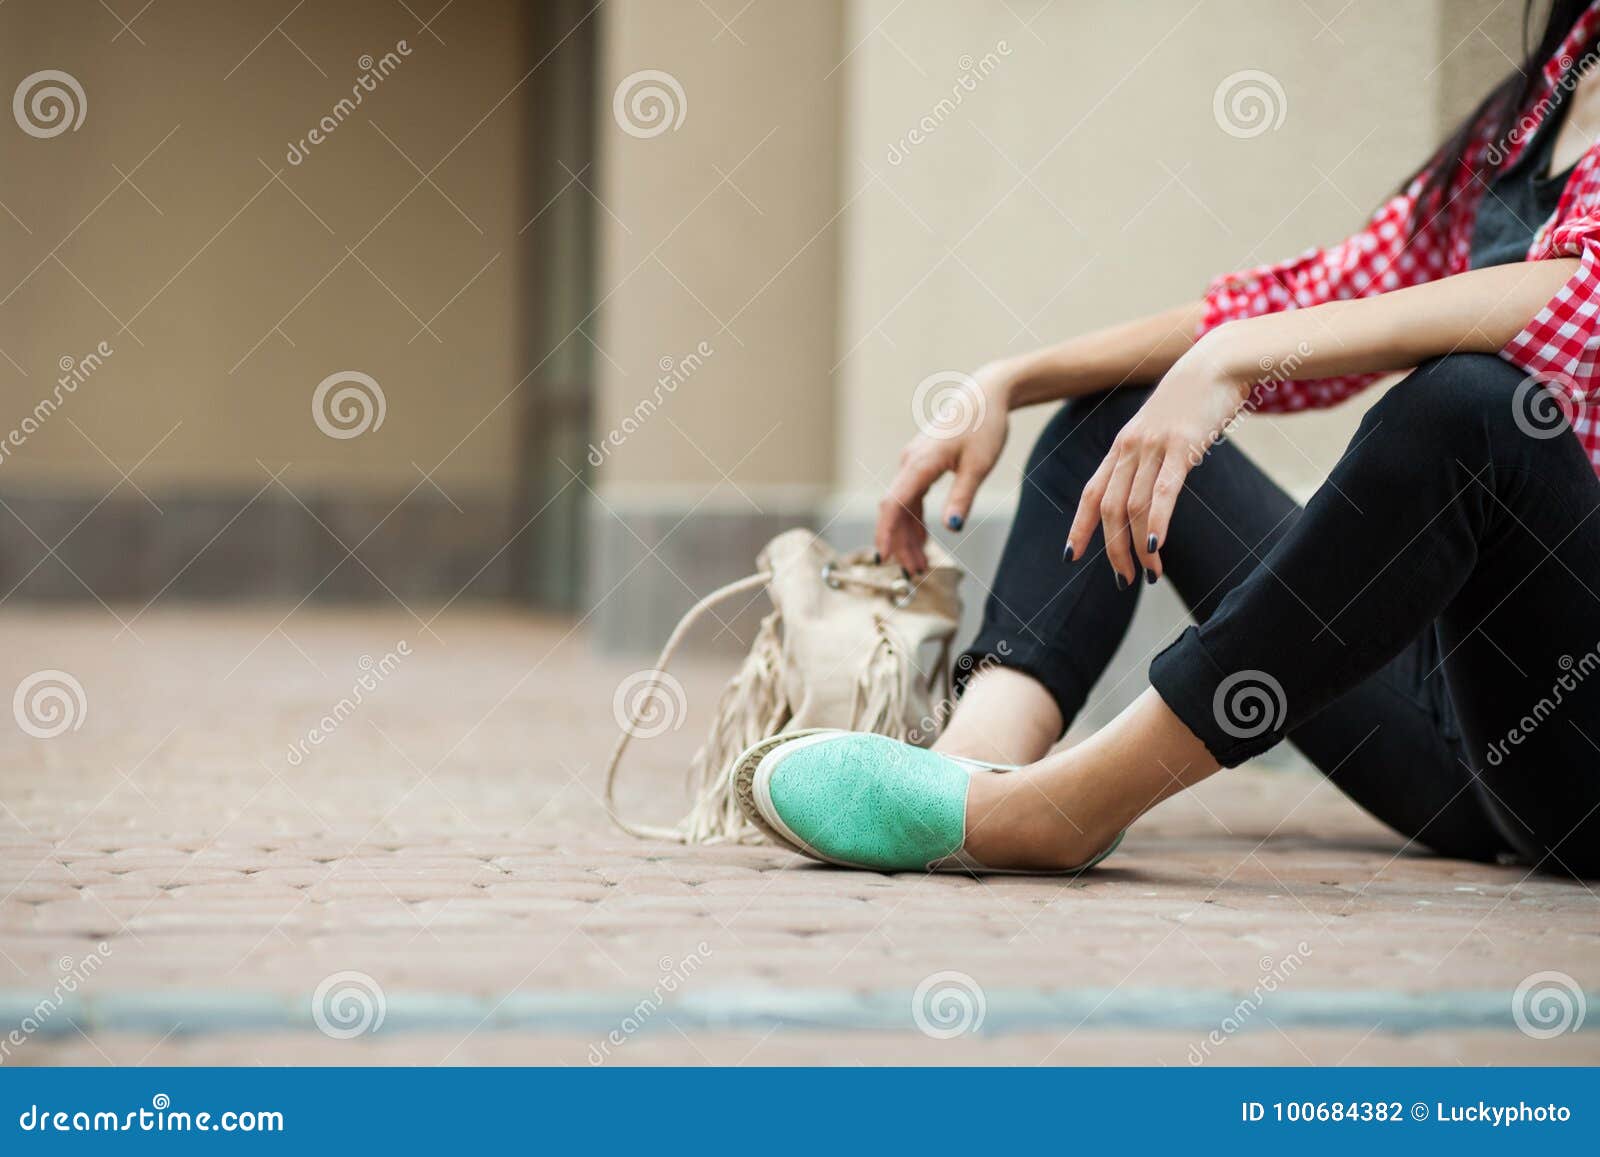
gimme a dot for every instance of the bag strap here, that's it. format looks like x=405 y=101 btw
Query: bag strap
x=691 y=616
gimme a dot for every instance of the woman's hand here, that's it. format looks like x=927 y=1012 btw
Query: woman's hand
x=1132 y=493
x=969 y=452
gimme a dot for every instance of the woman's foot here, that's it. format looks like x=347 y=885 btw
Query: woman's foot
x=1003 y=716
x=1012 y=824
x=1056 y=810
x=865 y=801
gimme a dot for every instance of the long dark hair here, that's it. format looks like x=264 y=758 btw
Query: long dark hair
x=1495 y=117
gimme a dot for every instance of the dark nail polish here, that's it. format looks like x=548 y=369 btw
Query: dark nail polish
x=1067 y=555
x=877 y=558
x=1150 y=544
x=1150 y=577
x=954 y=522
x=1122 y=583
x=905 y=574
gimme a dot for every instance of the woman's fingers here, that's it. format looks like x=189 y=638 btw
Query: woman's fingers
x=969 y=476
x=1140 y=497
x=1132 y=496
x=900 y=533
x=901 y=529
x=909 y=549
x=1164 y=497
x=1088 y=513
x=886 y=539
x=883 y=533
x=1114 y=517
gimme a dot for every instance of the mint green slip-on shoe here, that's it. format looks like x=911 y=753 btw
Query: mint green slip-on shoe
x=864 y=801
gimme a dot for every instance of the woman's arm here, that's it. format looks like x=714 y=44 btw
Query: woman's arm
x=1476 y=312
x=1133 y=492
x=1138 y=351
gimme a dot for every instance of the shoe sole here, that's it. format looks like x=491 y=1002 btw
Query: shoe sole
x=744 y=779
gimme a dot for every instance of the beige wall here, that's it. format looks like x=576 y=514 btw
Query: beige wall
x=720 y=231
x=1082 y=180
x=186 y=268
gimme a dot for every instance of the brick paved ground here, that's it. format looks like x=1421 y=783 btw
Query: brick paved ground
x=446 y=841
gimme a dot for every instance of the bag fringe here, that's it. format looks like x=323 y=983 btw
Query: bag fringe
x=879 y=699
x=752 y=707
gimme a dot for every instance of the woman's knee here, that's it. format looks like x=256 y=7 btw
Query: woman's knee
x=1086 y=426
x=1459 y=409
x=1444 y=397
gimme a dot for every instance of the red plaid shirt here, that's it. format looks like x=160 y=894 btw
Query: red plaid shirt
x=1561 y=345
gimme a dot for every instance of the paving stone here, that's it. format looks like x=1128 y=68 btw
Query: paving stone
x=499 y=878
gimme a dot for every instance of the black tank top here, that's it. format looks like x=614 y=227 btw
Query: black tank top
x=1519 y=200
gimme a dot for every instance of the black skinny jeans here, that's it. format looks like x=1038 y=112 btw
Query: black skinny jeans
x=1426 y=630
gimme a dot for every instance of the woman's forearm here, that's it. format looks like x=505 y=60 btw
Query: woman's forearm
x=1133 y=493
x=1476 y=312
x=1133 y=353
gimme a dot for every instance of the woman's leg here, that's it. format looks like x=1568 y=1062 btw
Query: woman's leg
x=1444 y=511
x=1047 y=631
x=1050 y=629
x=1003 y=716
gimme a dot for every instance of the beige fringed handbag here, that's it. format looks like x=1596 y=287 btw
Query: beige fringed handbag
x=848 y=644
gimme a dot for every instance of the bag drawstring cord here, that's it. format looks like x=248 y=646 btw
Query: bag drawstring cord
x=721 y=594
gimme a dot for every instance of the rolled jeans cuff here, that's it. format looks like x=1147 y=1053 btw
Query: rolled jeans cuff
x=1052 y=669
x=1236 y=714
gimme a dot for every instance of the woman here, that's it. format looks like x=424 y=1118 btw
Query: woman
x=1422 y=630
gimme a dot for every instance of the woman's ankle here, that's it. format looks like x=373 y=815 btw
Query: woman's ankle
x=1067 y=808
x=1005 y=716
x=1011 y=823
